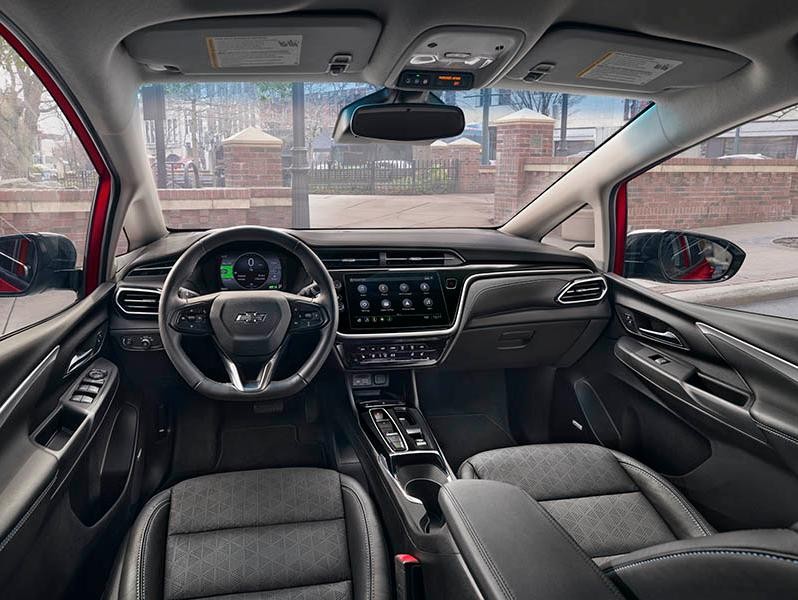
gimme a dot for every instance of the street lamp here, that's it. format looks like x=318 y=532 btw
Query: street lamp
x=300 y=206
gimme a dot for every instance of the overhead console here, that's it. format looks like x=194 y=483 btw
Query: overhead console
x=588 y=57
x=455 y=58
x=277 y=45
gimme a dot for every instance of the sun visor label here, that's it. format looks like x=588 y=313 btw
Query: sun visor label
x=634 y=69
x=254 y=51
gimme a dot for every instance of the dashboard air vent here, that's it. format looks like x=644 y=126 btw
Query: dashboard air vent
x=421 y=258
x=582 y=291
x=350 y=259
x=138 y=301
x=155 y=269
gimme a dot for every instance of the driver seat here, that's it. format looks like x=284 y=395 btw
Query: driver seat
x=272 y=534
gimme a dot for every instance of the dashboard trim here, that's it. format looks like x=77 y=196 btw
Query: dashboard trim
x=457 y=323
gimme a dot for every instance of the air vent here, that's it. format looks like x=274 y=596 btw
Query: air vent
x=138 y=301
x=582 y=291
x=421 y=258
x=155 y=269
x=374 y=259
x=350 y=259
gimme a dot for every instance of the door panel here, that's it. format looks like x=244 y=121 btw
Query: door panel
x=717 y=375
x=59 y=479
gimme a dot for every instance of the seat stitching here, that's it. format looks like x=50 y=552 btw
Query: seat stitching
x=368 y=536
x=702 y=553
x=668 y=488
x=256 y=526
x=142 y=553
x=480 y=546
x=299 y=587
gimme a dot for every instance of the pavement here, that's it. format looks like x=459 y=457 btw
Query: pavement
x=446 y=210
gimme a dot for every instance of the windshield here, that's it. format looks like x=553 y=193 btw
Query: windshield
x=233 y=153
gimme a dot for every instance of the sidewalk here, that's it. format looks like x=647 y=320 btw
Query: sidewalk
x=769 y=272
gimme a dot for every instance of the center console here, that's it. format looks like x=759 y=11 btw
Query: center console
x=396 y=318
x=409 y=456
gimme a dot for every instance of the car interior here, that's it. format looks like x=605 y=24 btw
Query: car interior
x=251 y=404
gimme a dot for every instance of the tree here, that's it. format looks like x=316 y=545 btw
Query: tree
x=546 y=103
x=21 y=98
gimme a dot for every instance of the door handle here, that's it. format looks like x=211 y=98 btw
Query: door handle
x=78 y=360
x=667 y=336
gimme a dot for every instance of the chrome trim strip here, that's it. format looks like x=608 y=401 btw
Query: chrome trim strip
x=131 y=288
x=456 y=326
x=22 y=389
x=571 y=284
x=384 y=436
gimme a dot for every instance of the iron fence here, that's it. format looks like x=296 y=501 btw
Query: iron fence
x=384 y=177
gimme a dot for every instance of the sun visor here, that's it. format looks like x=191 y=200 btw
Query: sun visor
x=254 y=45
x=622 y=62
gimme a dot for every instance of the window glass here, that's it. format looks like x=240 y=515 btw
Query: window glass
x=740 y=187
x=47 y=186
x=222 y=154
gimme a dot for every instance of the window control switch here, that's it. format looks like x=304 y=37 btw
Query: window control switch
x=88 y=389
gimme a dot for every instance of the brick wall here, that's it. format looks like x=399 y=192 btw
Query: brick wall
x=67 y=211
x=699 y=192
x=252 y=158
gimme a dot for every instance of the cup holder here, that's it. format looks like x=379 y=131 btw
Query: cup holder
x=426 y=491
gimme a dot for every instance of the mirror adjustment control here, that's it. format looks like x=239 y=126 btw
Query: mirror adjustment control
x=97 y=374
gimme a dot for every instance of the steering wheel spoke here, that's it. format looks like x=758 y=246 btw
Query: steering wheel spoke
x=265 y=372
x=192 y=317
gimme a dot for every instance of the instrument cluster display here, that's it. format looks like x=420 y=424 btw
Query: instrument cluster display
x=250 y=271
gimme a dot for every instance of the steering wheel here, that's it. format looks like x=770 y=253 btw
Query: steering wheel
x=250 y=329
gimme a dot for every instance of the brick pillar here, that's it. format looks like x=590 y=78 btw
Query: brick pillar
x=253 y=158
x=467 y=153
x=520 y=135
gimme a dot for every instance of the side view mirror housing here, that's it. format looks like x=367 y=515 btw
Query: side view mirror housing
x=680 y=257
x=34 y=262
x=395 y=116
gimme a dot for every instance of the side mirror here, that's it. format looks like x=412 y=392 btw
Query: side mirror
x=34 y=262
x=680 y=257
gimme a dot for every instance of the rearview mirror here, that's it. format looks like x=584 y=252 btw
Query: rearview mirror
x=34 y=262
x=680 y=257
x=393 y=116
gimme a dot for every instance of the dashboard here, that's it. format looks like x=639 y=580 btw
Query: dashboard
x=484 y=299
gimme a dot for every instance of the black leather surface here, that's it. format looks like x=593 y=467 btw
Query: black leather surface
x=740 y=565
x=608 y=502
x=274 y=533
x=514 y=549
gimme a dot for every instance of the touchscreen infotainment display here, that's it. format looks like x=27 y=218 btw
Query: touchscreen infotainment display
x=395 y=300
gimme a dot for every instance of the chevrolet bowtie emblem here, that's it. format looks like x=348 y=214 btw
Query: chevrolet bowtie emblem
x=251 y=317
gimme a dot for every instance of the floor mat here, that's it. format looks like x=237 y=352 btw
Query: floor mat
x=467 y=412
x=463 y=436
x=268 y=446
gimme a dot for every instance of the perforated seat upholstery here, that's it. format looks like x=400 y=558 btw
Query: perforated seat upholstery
x=608 y=502
x=276 y=534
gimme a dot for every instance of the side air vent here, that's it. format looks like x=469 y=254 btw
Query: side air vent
x=582 y=291
x=138 y=301
x=421 y=258
x=155 y=269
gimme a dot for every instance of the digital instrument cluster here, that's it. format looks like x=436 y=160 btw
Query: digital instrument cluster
x=250 y=271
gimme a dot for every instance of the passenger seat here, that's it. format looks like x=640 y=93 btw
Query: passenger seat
x=608 y=502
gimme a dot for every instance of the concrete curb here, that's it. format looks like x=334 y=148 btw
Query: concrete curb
x=732 y=295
